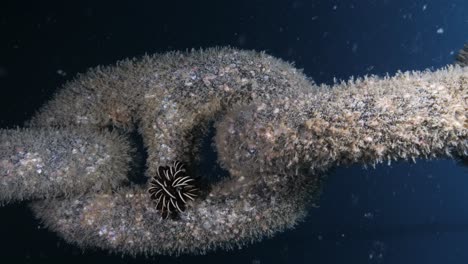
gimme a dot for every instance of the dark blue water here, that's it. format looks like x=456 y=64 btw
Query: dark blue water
x=405 y=213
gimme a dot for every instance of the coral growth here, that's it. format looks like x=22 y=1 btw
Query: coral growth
x=276 y=135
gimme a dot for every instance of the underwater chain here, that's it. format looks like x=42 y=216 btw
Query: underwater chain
x=276 y=133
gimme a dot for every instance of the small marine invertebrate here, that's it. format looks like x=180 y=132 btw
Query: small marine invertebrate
x=172 y=188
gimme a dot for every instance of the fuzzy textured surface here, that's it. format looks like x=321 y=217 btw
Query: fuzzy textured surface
x=60 y=162
x=276 y=134
x=171 y=99
x=368 y=120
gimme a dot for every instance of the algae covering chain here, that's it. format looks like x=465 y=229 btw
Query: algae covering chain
x=276 y=133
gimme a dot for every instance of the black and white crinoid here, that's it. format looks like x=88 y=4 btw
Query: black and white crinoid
x=172 y=188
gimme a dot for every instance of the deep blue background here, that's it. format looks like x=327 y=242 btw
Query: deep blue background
x=405 y=213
